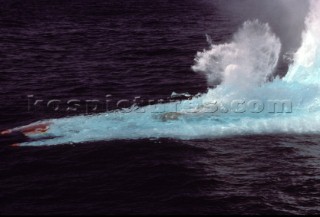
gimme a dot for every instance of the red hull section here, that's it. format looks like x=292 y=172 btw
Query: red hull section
x=25 y=131
x=31 y=129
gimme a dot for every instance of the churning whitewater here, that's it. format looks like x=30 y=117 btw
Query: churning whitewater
x=245 y=102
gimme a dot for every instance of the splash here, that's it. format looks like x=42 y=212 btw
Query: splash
x=306 y=68
x=242 y=104
x=247 y=61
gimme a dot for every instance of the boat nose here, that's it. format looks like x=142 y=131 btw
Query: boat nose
x=8 y=138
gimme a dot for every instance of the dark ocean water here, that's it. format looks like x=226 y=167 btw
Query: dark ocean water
x=89 y=49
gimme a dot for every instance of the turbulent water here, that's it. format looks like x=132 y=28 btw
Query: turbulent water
x=245 y=141
x=243 y=67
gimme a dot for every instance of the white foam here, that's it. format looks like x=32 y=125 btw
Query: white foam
x=246 y=61
x=242 y=67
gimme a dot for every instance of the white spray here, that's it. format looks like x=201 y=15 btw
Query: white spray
x=243 y=67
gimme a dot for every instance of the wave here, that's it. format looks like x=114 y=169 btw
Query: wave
x=248 y=100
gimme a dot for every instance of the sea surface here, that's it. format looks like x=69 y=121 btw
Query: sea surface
x=89 y=49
